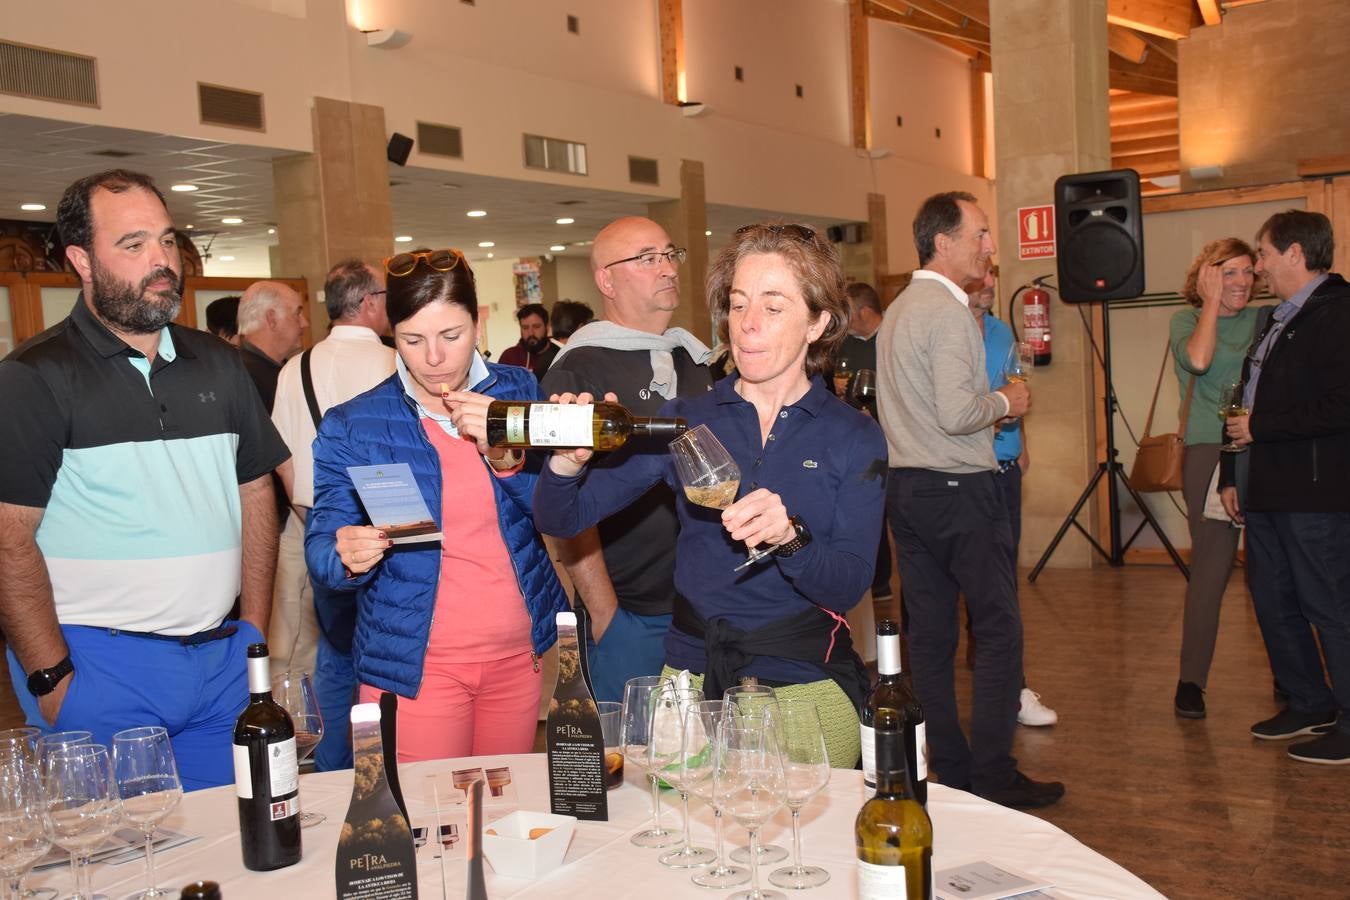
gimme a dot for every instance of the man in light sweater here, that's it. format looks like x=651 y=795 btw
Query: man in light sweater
x=951 y=527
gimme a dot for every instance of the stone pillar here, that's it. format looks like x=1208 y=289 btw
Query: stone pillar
x=1050 y=118
x=333 y=204
x=686 y=220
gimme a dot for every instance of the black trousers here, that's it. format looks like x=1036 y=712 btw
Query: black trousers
x=953 y=537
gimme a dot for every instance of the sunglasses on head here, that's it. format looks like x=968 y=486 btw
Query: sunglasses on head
x=402 y=264
x=798 y=232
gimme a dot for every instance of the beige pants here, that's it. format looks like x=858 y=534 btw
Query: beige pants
x=292 y=636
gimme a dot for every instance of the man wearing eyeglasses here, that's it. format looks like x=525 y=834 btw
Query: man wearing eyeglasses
x=624 y=569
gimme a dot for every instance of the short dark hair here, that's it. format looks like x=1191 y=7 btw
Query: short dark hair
x=939 y=214
x=222 y=316
x=864 y=296
x=345 y=286
x=1310 y=230
x=567 y=316
x=531 y=309
x=409 y=294
x=75 y=223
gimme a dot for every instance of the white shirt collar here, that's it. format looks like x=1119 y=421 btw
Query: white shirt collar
x=478 y=373
x=352 y=333
x=945 y=282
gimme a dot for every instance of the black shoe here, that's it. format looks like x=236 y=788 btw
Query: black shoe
x=1190 y=700
x=1023 y=793
x=1331 y=749
x=1290 y=724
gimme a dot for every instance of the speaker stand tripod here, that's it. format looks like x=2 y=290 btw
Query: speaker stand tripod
x=1114 y=474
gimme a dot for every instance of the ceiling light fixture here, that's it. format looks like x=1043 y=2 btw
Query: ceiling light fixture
x=232 y=220
x=227 y=259
x=269 y=231
x=487 y=244
x=490 y=255
x=708 y=233
x=189 y=227
x=557 y=248
x=403 y=239
x=476 y=213
x=32 y=207
x=565 y=221
x=183 y=188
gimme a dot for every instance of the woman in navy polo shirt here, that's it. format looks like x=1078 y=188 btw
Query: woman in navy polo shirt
x=812 y=485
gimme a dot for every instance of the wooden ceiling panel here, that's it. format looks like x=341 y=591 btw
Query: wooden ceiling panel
x=975 y=10
x=1165 y=18
x=1126 y=44
x=910 y=16
x=1209 y=11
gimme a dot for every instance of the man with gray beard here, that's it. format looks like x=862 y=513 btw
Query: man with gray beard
x=135 y=500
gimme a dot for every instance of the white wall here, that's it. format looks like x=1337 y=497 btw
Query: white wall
x=575 y=282
x=928 y=86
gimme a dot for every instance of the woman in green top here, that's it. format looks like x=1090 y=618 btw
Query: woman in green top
x=1209 y=341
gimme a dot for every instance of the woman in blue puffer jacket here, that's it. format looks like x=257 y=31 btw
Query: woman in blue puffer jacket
x=454 y=627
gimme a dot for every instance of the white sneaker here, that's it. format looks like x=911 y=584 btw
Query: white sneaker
x=1033 y=711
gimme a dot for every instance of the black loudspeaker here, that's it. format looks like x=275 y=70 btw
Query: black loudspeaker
x=1100 y=236
x=400 y=145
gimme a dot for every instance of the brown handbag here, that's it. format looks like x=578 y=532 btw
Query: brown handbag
x=1157 y=465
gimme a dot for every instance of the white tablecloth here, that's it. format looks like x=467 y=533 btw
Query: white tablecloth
x=601 y=863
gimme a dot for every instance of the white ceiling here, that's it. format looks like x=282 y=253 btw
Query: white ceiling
x=40 y=157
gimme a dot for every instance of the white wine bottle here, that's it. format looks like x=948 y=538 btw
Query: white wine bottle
x=893 y=834
x=266 y=774
x=602 y=426
x=894 y=691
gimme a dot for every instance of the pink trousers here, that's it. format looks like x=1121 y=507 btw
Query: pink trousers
x=468 y=709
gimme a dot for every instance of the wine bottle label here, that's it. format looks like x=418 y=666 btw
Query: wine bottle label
x=869 y=758
x=880 y=882
x=284 y=809
x=560 y=425
x=921 y=751
x=243 y=773
x=283 y=769
x=516 y=424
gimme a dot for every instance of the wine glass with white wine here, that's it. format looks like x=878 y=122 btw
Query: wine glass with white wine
x=1232 y=403
x=710 y=476
x=1021 y=360
x=295 y=692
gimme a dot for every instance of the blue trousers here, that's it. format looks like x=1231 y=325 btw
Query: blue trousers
x=125 y=681
x=334 y=676
x=632 y=645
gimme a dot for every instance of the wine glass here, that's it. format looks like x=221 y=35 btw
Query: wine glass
x=751 y=701
x=46 y=745
x=748 y=783
x=666 y=751
x=1232 y=402
x=81 y=806
x=147 y=782
x=295 y=692
x=20 y=740
x=710 y=476
x=1021 y=360
x=863 y=390
x=701 y=724
x=639 y=698
x=23 y=838
x=841 y=377
x=806 y=771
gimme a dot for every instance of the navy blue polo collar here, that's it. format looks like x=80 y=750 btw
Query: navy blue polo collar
x=816 y=396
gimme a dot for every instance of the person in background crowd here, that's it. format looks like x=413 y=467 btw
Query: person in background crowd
x=312 y=626
x=222 y=319
x=623 y=570
x=945 y=506
x=1297 y=508
x=271 y=330
x=567 y=316
x=812 y=486
x=455 y=627
x=1011 y=455
x=1209 y=341
x=534 y=351
x=135 y=502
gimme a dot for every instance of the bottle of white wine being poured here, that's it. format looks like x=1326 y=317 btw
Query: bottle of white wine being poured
x=601 y=425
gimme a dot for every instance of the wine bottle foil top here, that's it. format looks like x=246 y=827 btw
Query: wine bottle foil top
x=256 y=651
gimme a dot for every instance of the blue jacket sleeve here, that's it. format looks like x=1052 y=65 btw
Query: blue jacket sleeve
x=335 y=504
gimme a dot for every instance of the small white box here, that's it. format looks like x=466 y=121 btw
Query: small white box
x=514 y=855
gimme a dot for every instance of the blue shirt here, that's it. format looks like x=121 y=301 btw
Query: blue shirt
x=1281 y=315
x=998 y=344
x=826 y=460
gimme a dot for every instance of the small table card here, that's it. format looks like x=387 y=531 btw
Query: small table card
x=984 y=881
x=576 y=746
x=394 y=502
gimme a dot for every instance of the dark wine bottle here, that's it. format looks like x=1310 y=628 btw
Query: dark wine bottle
x=893 y=834
x=266 y=774
x=893 y=690
x=201 y=890
x=602 y=426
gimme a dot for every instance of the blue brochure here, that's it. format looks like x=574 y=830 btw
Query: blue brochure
x=394 y=503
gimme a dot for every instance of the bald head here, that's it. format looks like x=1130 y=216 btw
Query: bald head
x=636 y=295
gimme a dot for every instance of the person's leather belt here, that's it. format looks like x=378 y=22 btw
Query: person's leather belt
x=187 y=640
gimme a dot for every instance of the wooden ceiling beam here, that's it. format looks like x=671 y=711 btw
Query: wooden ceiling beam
x=1143 y=116
x=1210 y=12
x=1165 y=46
x=1167 y=128
x=1155 y=75
x=939 y=11
x=909 y=16
x=1149 y=167
x=1132 y=100
x=1318 y=166
x=1170 y=143
x=860 y=97
x=1126 y=44
x=1165 y=18
x=975 y=10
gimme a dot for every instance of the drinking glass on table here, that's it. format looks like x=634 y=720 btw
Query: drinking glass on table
x=611 y=732
x=639 y=698
x=665 y=752
x=295 y=692
x=710 y=476
x=701 y=724
x=23 y=836
x=46 y=745
x=752 y=701
x=1232 y=403
x=806 y=771
x=81 y=805
x=748 y=783
x=22 y=740
x=147 y=782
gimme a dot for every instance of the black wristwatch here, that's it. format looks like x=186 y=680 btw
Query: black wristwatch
x=796 y=542
x=42 y=682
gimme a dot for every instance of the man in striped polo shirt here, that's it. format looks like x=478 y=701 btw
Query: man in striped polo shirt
x=135 y=500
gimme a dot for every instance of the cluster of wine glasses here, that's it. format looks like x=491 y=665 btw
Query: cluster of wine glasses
x=746 y=755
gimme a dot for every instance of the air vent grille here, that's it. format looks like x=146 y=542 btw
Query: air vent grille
x=555 y=155
x=440 y=140
x=231 y=107
x=48 y=74
x=643 y=171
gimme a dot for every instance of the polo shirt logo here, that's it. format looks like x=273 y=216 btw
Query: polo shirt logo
x=810 y=464
x=644 y=394
x=207 y=397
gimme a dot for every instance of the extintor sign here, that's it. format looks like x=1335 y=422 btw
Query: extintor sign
x=1036 y=232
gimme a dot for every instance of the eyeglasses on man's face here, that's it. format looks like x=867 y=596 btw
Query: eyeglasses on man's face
x=652 y=258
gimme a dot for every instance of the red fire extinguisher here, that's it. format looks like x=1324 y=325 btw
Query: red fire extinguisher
x=1036 y=321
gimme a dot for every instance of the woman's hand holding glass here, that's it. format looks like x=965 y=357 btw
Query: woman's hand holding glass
x=758 y=518
x=360 y=547
x=569 y=461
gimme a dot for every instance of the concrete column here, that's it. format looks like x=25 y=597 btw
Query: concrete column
x=333 y=204
x=1050 y=118
x=686 y=220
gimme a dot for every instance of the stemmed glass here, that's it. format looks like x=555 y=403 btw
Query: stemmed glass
x=666 y=751
x=295 y=692
x=748 y=783
x=1021 y=360
x=20 y=740
x=147 y=782
x=46 y=745
x=710 y=476
x=1232 y=403
x=639 y=698
x=753 y=701
x=701 y=724
x=23 y=839
x=81 y=805
x=806 y=771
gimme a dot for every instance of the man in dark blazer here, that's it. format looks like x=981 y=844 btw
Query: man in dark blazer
x=1297 y=503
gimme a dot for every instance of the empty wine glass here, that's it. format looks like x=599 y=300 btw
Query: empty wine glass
x=295 y=692
x=23 y=740
x=48 y=744
x=666 y=752
x=23 y=836
x=748 y=782
x=710 y=476
x=806 y=771
x=701 y=724
x=81 y=805
x=147 y=782
x=753 y=701
x=639 y=698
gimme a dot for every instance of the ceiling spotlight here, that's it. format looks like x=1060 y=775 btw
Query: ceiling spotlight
x=189 y=227
x=487 y=244
x=476 y=213
x=32 y=207
x=708 y=233
x=232 y=220
x=566 y=221
x=557 y=248
x=490 y=255
x=227 y=259
x=183 y=188
x=403 y=239
x=269 y=231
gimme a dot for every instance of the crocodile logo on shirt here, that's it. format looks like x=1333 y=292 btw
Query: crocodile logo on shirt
x=810 y=464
